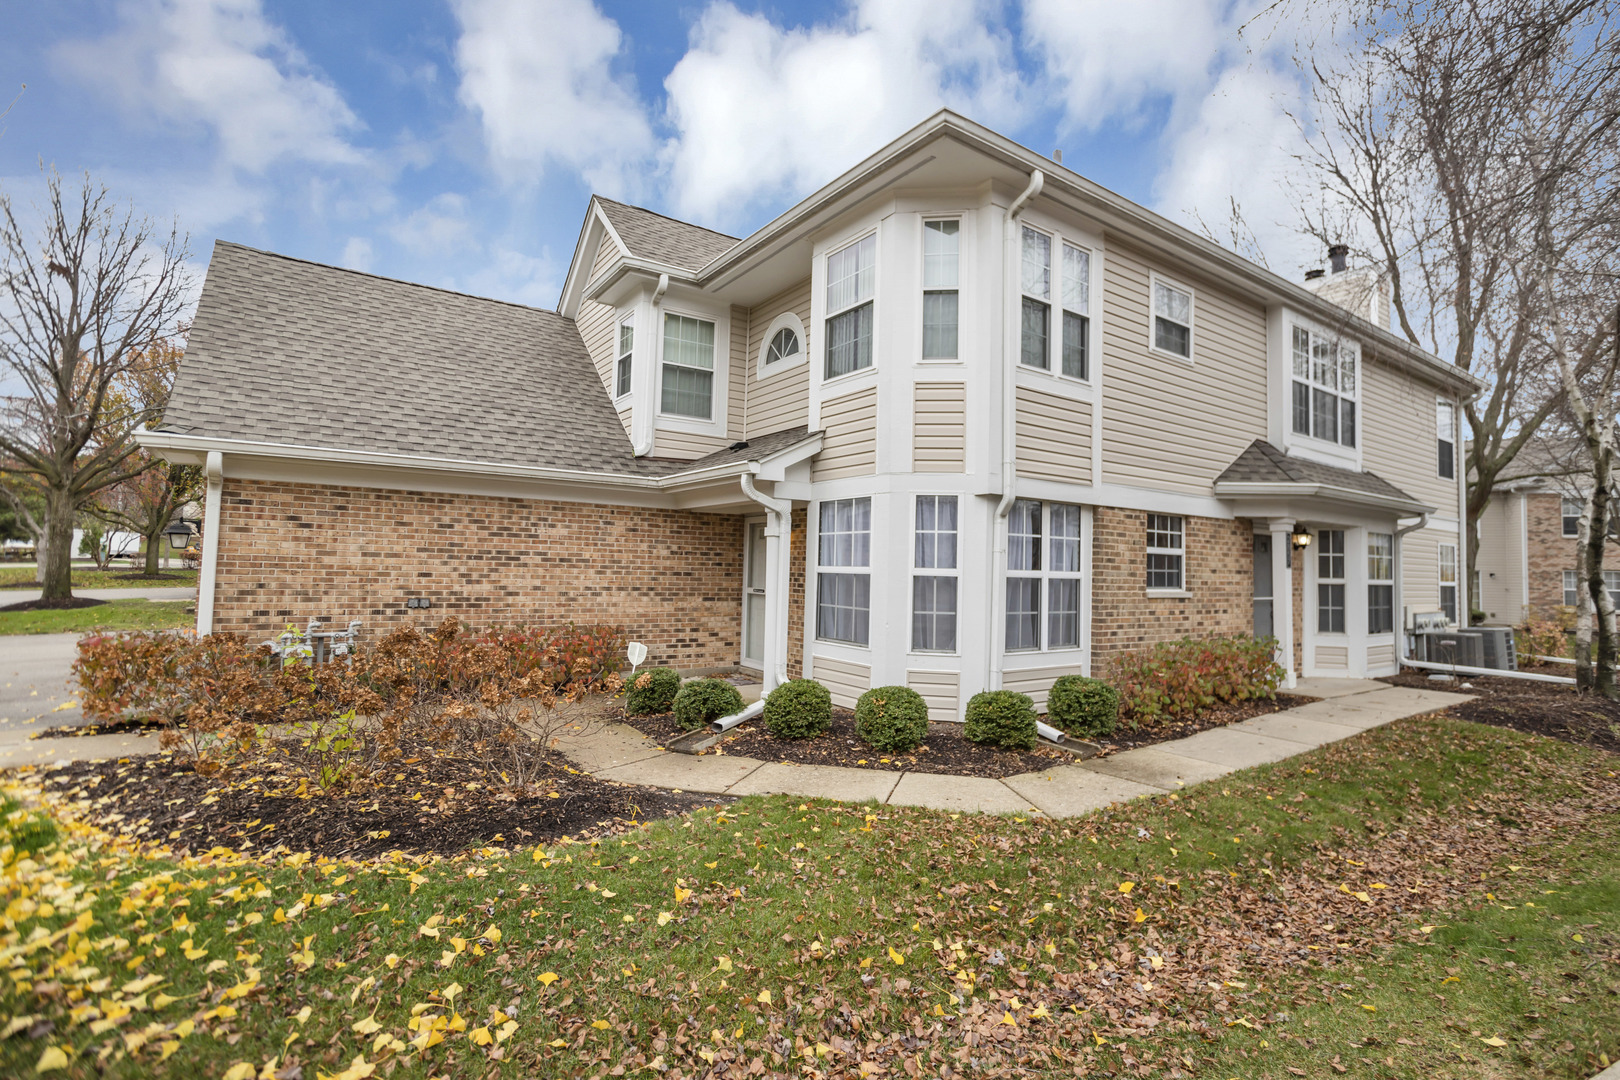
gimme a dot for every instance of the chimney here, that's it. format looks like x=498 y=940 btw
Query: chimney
x=1057 y=155
x=1314 y=275
x=1338 y=256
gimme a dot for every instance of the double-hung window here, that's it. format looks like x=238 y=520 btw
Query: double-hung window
x=1571 y=512
x=1445 y=425
x=1172 y=319
x=627 y=343
x=688 y=375
x=1043 y=574
x=1380 y=583
x=941 y=248
x=1448 y=580
x=1076 y=360
x=1611 y=582
x=843 y=592
x=1570 y=592
x=933 y=586
x=851 y=277
x=1166 y=551
x=1324 y=388
x=1036 y=318
x=1330 y=581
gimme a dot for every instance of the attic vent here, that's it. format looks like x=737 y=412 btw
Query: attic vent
x=738 y=446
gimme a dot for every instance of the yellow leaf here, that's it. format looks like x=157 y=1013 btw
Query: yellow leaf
x=392 y=960
x=609 y=894
x=302 y=1015
x=242 y=1070
x=1126 y=886
x=428 y=931
x=1577 y=938
x=1370 y=1008
x=449 y=993
x=167 y=1049
x=1363 y=897
x=492 y=934
x=895 y=956
x=557 y=1043
x=1007 y=1018
x=1040 y=1013
x=480 y=1036
x=600 y=1025
x=548 y=977
x=712 y=865
x=186 y=1027
x=681 y=894
x=723 y=963
x=368 y=1026
x=1494 y=1041
x=764 y=997
x=280 y=916
x=1140 y=916
x=665 y=918
x=52 y=1058
x=504 y=1032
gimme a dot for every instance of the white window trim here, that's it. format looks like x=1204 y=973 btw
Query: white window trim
x=813 y=611
x=1054 y=329
x=1343 y=581
x=1157 y=594
x=631 y=321
x=1045 y=575
x=1572 y=588
x=1336 y=449
x=1456 y=444
x=827 y=314
x=1394 y=616
x=1580 y=509
x=922 y=277
x=1440 y=582
x=718 y=405
x=935 y=571
x=1154 y=278
x=787 y=320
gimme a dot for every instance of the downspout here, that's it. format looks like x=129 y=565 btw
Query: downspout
x=778 y=562
x=1400 y=638
x=645 y=414
x=1009 y=434
x=214 y=470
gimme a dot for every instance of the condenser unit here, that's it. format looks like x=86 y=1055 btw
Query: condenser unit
x=1451 y=647
x=1497 y=649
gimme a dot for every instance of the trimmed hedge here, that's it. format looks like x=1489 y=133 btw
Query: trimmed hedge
x=891 y=718
x=798 y=709
x=652 y=691
x=1175 y=679
x=1085 y=707
x=703 y=701
x=1003 y=718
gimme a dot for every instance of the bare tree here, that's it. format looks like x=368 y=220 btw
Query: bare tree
x=78 y=302
x=1420 y=157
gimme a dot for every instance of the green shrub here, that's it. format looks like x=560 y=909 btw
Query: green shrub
x=798 y=709
x=1088 y=708
x=891 y=718
x=1175 y=679
x=705 y=701
x=1003 y=718
x=652 y=691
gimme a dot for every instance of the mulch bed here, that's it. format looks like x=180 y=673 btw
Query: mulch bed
x=153 y=798
x=1538 y=708
x=116 y=727
x=54 y=605
x=1219 y=715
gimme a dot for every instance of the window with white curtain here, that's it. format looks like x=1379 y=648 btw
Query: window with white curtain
x=1172 y=319
x=844 y=593
x=1035 y=275
x=1070 y=281
x=1380 y=583
x=934 y=584
x=1043 y=576
x=688 y=374
x=851 y=280
x=1445 y=424
x=1330 y=581
x=1448 y=580
x=1076 y=359
x=941 y=251
x=1324 y=388
x=627 y=342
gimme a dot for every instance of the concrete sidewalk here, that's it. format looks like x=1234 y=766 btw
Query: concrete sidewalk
x=167 y=592
x=35 y=694
x=1349 y=707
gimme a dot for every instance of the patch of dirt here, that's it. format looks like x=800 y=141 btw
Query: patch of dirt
x=54 y=605
x=945 y=750
x=154 y=798
x=1219 y=715
x=1548 y=709
x=116 y=727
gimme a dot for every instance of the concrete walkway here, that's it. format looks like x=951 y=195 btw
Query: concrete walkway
x=35 y=694
x=1349 y=707
x=181 y=592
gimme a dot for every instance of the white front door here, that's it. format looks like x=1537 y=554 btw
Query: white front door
x=753 y=604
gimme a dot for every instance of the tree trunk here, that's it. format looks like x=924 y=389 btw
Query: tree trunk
x=153 y=550
x=56 y=555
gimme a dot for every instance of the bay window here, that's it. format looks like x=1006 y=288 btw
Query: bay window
x=1380 y=583
x=627 y=341
x=851 y=278
x=1036 y=317
x=1324 y=388
x=941 y=246
x=843 y=592
x=1076 y=360
x=1330 y=581
x=934 y=586
x=1043 y=573
x=688 y=375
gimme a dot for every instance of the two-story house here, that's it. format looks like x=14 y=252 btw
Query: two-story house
x=961 y=419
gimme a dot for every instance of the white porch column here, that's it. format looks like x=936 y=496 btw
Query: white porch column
x=214 y=470
x=778 y=553
x=1282 y=596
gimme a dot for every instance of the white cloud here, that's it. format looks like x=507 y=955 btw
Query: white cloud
x=760 y=111
x=439 y=226
x=223 y=65
x=540 y=75
x=357 y=254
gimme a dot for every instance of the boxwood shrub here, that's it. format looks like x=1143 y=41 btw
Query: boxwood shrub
x=891 y=718
x=652 y=691
x=1085 y=707
x=1003 y=718
x=798 y=709
x=703 y=701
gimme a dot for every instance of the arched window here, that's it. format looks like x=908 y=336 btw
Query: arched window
x=783 y=348
x=784 y=345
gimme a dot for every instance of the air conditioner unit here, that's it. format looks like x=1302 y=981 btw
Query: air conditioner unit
x=1452 y=647
x=1497 y=647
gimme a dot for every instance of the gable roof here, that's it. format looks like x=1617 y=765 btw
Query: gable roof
x=1263 y=465
x=657 y=238
x=299 y=353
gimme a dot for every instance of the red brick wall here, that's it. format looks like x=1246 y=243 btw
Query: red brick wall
x=1549 y=552
x=288 y=552
x=795 y=642
x=1218 y=572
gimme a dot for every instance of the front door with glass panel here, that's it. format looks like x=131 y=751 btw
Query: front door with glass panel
x=754 y=594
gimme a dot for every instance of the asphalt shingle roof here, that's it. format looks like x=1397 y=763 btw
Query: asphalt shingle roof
x=663 y=239
x=1262 y=463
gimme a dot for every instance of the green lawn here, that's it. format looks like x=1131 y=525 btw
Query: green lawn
x=1434 y=899
x=134 y=614
x=22 y=577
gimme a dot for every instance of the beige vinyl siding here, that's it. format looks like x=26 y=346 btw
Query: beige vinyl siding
x=780 y=401
x=607 y=251
x=849 y=447
x=1054 y=437
x=1035 y=682
x=1399 y=437
x=1420 y=571
x=1332 y=657
x=940 y=691
x=683 y=444
x=1380 y=657
x=737 y=377
x=1169 y=424
x=939 y=427
x=844 y=680
x=1501 y=560
x=598 y=328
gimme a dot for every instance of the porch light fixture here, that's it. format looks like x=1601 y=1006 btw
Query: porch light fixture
x=1301 y=537
x=179 y=534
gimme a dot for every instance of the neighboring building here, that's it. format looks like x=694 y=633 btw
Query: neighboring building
x=960 y=419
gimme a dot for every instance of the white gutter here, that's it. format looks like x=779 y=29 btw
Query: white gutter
x=778 y=562
x=1304 y=490
x=1395 y=602
x=726 y=723
x=214 y=470
x=1495 y=673
x=1009 y=431
x=645 y=415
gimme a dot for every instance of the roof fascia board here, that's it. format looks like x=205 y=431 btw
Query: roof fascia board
x=1290 y=489
x=595 y=226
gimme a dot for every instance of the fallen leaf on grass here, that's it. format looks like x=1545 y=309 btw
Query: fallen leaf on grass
x=52 y=1058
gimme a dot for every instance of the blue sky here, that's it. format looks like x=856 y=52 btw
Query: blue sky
x=456 y=142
